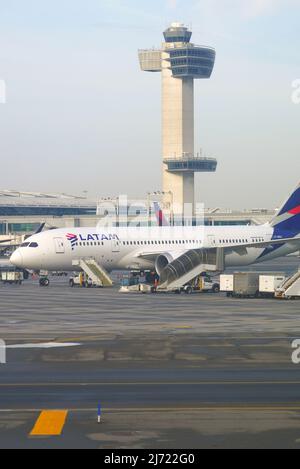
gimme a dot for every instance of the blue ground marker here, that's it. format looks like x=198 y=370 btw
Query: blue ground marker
x=99 y=412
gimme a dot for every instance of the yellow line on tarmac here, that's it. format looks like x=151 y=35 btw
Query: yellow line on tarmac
x=49 y=423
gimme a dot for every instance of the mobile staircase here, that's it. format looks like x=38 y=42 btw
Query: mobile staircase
x=189 y=266
x=290 y=288
x=94 y=271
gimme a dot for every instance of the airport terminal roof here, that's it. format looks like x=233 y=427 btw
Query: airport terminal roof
x=12 y=197
x=21 y=203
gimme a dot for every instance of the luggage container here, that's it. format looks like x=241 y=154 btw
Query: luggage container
x=240 y=284
x=226 y=283
x=246 y=284
x=13 y=277
x=268 y=284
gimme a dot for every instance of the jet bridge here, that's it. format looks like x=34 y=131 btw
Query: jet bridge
x=96 y=273
x=189 y=266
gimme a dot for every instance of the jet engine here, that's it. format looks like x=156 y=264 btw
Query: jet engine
x=162 y=261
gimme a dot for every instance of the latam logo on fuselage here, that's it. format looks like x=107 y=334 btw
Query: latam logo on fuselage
x=99 y=237
x=91 y=237
x=73 y=239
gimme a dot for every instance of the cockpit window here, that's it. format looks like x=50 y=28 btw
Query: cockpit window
x=33 y=245
x=24 y=245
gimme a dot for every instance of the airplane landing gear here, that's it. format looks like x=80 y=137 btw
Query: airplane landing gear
x=44 y=282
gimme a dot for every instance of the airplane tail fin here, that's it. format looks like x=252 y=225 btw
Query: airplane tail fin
x=287 y=219
x=160 y=218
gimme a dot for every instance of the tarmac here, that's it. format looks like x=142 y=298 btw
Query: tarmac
x=168 y=371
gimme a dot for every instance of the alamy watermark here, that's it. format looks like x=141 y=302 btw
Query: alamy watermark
x=296 y=91
x=296 y=352
x=2 y=352
x=2 y=92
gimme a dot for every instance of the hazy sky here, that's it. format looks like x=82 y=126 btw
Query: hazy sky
x=80 y=115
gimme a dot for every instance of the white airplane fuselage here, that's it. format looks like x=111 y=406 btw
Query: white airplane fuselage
x=137 y=248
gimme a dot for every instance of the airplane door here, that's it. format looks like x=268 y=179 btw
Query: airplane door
x=115 y=245
x=211 y=240
x=59 y=245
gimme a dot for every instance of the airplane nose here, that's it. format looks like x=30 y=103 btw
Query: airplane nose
x=16 y=258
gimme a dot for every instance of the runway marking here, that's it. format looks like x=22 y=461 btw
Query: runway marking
x=44 y=345
x=149 y=383
x=49 y=423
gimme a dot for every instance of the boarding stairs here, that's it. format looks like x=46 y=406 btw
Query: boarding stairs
x=95 y=272
x=290 y=288
x=189 y=266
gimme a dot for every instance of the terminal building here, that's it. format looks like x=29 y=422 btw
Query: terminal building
x=21 y=213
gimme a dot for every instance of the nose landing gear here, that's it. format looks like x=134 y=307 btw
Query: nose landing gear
x=44 y=282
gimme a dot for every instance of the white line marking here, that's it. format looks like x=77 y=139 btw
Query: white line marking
x=45 y=345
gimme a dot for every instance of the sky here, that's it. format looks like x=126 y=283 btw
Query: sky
x=81 y=116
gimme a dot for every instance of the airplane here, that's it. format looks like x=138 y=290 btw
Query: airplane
x=155 y=247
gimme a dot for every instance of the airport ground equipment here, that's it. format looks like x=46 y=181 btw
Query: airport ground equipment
x=135 y=283
x=226 y=283
x=269 y=283
x=202 y=284
x=82 y=280
x=130 y=279
x=189 y=266
x=138 y=288
x=94 y=271
x=290 y=289
x=12 y=277
x=240 y=284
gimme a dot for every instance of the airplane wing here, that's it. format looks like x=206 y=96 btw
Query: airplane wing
x=239 y=248
x=151 y=256
x=263 y=244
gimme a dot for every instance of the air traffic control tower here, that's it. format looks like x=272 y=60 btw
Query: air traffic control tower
x=179 y=62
